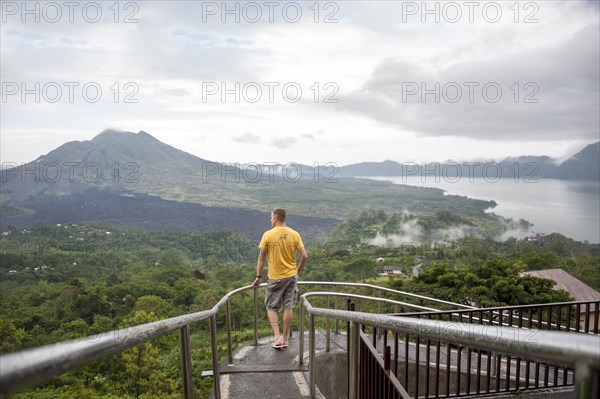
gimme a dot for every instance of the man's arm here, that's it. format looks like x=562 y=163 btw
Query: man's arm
x=303 y=258
x=260 y=266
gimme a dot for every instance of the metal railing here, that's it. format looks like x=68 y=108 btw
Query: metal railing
x=579 y=316
x=377 y=379
x=534 y=353
x=30 y=367
x=34 y=366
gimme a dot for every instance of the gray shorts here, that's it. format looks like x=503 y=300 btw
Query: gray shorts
x=281 y=292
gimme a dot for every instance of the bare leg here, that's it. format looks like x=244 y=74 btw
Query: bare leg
x=274 y=320
x=287 y=323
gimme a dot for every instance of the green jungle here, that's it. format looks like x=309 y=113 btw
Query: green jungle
x=61 y=282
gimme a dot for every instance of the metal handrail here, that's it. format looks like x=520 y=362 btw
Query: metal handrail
x=498 y=311
x=345 y=295
x=390 y=290
x=33 y=366
x=30 y=367
x=517 y=307
x=582 y=354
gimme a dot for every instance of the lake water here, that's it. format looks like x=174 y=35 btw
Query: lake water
x=571 y=208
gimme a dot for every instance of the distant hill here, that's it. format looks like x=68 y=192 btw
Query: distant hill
x=117 y=160
x=584 y=165
x=134 y=180
x=385 y=168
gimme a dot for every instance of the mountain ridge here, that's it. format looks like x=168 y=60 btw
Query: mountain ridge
x=584 y=165
x=577 y=165
x=134 y=179
x=130 y=180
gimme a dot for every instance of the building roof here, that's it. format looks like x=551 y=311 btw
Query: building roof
x=579 y=290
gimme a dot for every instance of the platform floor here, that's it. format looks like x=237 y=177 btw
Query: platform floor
x=261 y=372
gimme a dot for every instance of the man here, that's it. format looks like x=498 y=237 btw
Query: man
x=280 y=244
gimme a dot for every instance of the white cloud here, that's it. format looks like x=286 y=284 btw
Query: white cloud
x=175 y=48
x=544 y=94
x=283 y=142
x=247 y=138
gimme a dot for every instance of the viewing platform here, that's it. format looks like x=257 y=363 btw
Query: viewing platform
x=259 y=371
x=387 y=344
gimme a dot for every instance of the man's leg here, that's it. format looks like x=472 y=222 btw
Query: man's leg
x=287 y=323
x=272 y=303
x=274 y=321
x=289 y=301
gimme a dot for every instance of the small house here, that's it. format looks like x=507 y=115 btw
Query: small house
x=389 y=271
x=579 y=290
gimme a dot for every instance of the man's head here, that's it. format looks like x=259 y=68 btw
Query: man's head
x=278 y=216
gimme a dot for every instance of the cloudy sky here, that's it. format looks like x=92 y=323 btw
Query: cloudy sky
x=309 y=82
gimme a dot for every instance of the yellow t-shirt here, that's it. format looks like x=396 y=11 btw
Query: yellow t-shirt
x=281 y=244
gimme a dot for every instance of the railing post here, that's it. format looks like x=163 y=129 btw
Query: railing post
x=337 y=322
x=229 y=341
x=375 y=336
x=301 y=336
x=186 y=357
x=255 y=316
x=327 y=330
x=587 y=381
x=215 y=356
x=387 y=358
x=379 y=308
x=312 y=368
x=351 y=307
x=353 y=363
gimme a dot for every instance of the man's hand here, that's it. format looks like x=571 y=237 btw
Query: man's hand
x=303 y=258
x=260 y=266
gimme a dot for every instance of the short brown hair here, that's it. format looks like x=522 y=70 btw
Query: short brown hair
x=280 y=213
